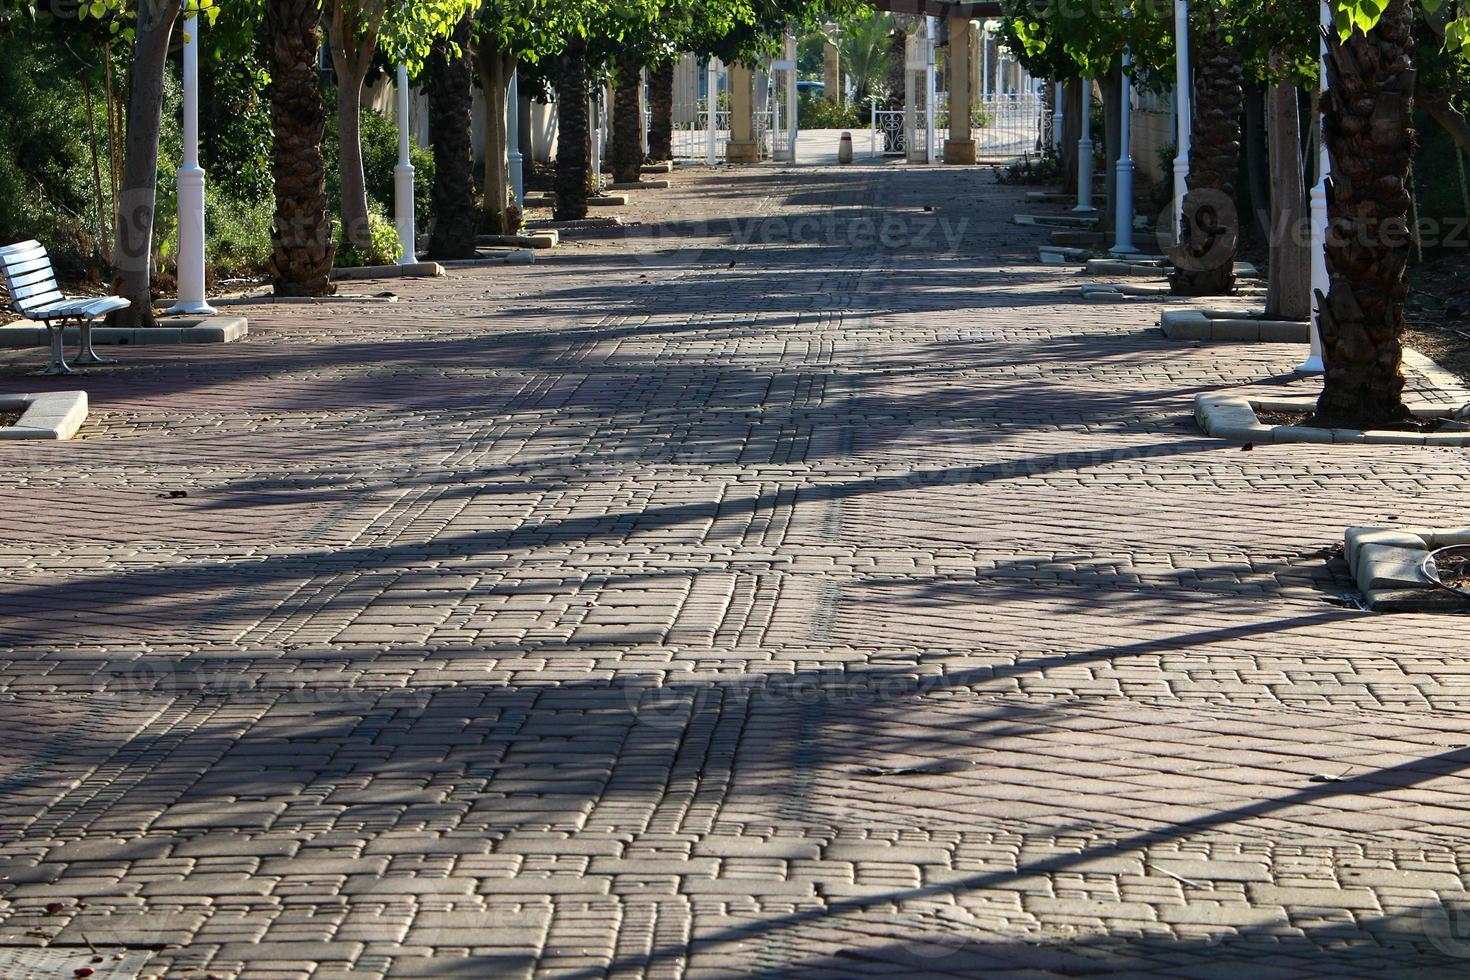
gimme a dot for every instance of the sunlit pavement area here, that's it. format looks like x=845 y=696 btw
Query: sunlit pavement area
x=800 y=582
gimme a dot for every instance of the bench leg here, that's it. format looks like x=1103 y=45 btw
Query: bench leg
x=58 y=363
x=85 y=354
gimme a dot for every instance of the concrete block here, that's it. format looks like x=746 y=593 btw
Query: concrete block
x=607 y=201
x=640 y=185
x=1284 y=331
x=1386 y=566
x=429 y=269
x=45 y=415
x=1301 y=433
x=1354 y=538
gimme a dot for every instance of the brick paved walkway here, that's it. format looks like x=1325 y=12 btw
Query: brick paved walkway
x=868 y=606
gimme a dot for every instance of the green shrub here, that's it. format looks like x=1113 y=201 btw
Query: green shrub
x=237 y=235
x=379 y=137
x=385 y=246
x=816 y=112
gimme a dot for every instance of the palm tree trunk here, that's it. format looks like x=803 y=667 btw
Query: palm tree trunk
x=302 y=246
x=1205 y=259
x=452 y=235
x=1367 y=120
x=661 y=104
x=133 y=256
x=572 y=153
x=627 y=134
x=1289 y=285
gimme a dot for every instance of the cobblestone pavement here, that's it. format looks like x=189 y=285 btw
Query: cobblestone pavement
x=806 y=584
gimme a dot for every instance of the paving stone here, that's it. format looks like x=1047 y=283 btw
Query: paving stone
x=634 y=613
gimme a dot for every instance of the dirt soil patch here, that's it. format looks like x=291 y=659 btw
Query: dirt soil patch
x=1442 y=423
x=9 y=417
x=1437 y=314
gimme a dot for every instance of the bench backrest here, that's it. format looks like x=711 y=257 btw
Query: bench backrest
x=29 y=276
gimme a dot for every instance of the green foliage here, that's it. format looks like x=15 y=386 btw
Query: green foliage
x=237 y=234
x=379 y=157
x=816 y=112
x=864 y=50
x=235 y=126
x=384 y=246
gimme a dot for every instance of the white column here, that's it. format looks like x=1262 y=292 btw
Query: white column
x=643 y=109
x=1182 y=121
x=791 y=105
x=711 y=103
x=1058 y=118
x=985 y=61
x=403 y=178
x=513 y=136
x=911 y=98
x=190 y=183
x=594 y=115
x=1318 y=197
x=1084 y=152
x=1123 y=226
x=931 y=91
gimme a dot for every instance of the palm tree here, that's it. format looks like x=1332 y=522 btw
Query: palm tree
x=301 y=237
x=627 y=134
x=452 y=235
x=1205 y=256
x=572 y=150
x=1368 y=124
x=661 y=106
x=864 y=53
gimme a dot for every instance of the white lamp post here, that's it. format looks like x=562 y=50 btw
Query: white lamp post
x=403 y=178
x=514 y=162
x=1181 y=113
x=1123 y=226
x=190 y=183
x=1084 y=152
x=1058 y=118
x=711 y=103
x=1318 y=196
x=931 y=90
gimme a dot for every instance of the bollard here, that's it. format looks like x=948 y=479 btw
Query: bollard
x=844 y=149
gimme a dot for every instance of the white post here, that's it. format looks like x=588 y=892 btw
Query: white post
x=1181 y=113
x=1318 y=196
x=931 y=90
x=190 y=183
x=643 y=109
x=791 y=106
x=403 y=178
x=1084 y=152
x=712 y=104
x=985 y=61
x=513 y=136
x=1123 y=226
x=594 y=113
x=1058 y=118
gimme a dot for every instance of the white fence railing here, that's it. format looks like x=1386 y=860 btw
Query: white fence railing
x=1003 y=127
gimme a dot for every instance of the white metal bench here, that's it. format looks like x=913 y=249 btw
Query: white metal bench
x=34 y=294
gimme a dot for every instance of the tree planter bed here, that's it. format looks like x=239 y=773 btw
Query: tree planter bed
x=216 y=329
x=45 y=415
x=1195 y=324
x=1233 y=416
x=1388 y=563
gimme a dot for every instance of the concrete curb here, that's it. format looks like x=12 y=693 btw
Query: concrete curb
x=46 y=415
x=217 y=329
x=538 y=239
x=1123 y=291
x=640 y=185
x=520 y=256
x=1195 y=324
x=1233 y=416
x=427 y=269
x=1056 y=221
x=1387 y=563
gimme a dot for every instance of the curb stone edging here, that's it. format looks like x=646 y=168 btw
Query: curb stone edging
x=1387 y=564
x=1197 y=324
x=427 y=269
x=46 y=415
x=519 y=256
x=1123 y=291
x=221 y=328
x=1233 y=416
